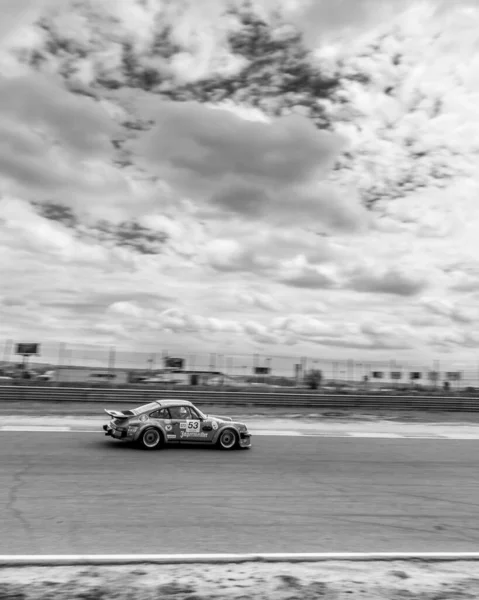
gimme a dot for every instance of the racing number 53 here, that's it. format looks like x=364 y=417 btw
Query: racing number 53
x=193 y=426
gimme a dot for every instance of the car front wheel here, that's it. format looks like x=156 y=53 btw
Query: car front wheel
x=228 y=439
x=150 y=439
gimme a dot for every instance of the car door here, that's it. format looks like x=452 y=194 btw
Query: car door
x=164 y=420
x=187 y=426
x=208 y=427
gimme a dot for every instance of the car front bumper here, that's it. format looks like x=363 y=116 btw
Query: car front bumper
x=245 y=440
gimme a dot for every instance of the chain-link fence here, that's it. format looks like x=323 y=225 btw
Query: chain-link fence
x=79 y=363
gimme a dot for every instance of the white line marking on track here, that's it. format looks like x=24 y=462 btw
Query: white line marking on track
x=336 y=434
x=369 y=434
x=118 y=559
x=36 y=428
x=459 y=436
x=271 y=433
x=276 y=433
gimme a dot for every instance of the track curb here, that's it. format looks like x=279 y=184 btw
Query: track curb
x=169 y=559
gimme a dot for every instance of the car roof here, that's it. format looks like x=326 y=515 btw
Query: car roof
x=166 y=403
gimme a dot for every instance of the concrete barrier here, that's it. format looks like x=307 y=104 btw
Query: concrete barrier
x=199 y=397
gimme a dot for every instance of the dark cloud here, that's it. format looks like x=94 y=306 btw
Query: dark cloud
x=39 y=101
x=251 y=169
x=309 y=278
x=390 y=282
x=57 y=212
x=131 y=234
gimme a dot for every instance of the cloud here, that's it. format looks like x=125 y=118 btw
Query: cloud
x=127 y=309
x=78 y=123
x=231 y=256
x=269 y=251
x=137 y=212
x=310 y=326
x=260 y=300
x=402 y=105
x=251 y=170
x=55 y=146
x=16 y=14
x=300 y=274
x=446 y=308
x=24 y=230
x=121 y=41
x=390 y=281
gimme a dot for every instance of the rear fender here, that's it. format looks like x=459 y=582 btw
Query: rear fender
x=151 y=426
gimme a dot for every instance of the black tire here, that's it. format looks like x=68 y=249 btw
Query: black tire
x=228 y=439
x=151 y=439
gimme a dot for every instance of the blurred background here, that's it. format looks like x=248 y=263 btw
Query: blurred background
x=57 y=364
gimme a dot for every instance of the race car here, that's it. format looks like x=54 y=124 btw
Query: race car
x=175 y=421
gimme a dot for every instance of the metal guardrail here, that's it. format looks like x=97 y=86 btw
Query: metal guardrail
x=289 y=400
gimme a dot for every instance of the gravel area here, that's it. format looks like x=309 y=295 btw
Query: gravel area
x=399 y=580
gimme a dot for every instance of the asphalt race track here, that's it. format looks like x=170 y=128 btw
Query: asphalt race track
x=85 y=493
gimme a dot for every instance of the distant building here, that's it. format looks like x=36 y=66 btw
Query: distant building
x=183 y=377
x=92 y=376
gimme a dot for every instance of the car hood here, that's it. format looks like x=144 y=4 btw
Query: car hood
x=220 y=418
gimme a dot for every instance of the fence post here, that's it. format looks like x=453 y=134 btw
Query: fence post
x=304 y=367
x=7 y=350
x=111 y=363
x=61 y=352
x=227 y=368
x=212 y=362
x=437 y=374
x=255 y=362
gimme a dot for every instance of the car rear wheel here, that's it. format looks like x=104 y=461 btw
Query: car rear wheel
x=150 y=439
x=228 y=439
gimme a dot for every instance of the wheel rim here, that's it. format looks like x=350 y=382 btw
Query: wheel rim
x=151 y=438
x=227 y=439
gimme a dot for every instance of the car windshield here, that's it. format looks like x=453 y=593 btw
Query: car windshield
x=144 y=408
x=196 y=411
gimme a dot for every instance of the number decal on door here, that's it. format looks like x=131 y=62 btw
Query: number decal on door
x=193 y=426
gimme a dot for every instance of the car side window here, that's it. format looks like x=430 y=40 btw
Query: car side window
x=180 y=412
x=160 y=414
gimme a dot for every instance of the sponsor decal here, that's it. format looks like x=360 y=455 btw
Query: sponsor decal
x=193 y=426
x=143 y=418
x=187 y=434
x=168 y=427
x=167 y=421
x=183 y=425
x=215 y=425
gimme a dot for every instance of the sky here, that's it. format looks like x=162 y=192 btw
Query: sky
x=167 y=217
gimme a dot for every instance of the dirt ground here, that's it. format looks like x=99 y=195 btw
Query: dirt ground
x=380 y=580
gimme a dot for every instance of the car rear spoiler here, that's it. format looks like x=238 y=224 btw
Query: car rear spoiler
x=115 y=413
